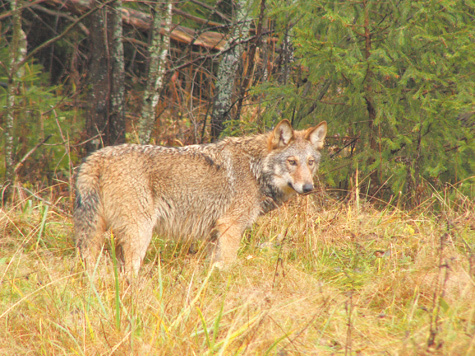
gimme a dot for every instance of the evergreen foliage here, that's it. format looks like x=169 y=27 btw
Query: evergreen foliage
x=399 y=76
x=40 y=112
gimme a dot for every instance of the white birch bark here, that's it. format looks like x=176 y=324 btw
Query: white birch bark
x=228 y=68
x=159 y=48
x=117 y=111
x=17 y=53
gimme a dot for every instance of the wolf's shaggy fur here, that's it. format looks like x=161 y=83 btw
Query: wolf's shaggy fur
x=201 y=191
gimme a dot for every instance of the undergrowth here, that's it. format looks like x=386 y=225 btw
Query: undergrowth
x=316 y=277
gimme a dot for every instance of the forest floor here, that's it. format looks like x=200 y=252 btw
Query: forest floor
x=318 y=276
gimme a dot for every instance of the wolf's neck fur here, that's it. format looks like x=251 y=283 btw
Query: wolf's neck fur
x=255 y=151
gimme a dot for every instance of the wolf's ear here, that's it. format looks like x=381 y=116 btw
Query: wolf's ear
x=316 y=135
x=282 y=135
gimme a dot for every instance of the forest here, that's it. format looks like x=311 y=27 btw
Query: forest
x=379 y=259
x=395 y=81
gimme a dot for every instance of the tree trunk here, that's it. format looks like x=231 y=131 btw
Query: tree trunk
x=369 y=96
x=96 y=120
x=106 y=121
x=286 y=56
x=17 y=53
x=156 y=68
x=246 y=82
x=117 y=75
x=228 y=69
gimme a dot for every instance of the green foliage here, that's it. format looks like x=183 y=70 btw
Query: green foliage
x=40 y=112
x=398 y=76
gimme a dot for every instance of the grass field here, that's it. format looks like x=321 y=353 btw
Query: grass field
x=317 y=277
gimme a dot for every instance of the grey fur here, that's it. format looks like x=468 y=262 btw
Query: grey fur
x=196 y=191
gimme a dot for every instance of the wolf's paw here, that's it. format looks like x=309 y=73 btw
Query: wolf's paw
x=219 y=265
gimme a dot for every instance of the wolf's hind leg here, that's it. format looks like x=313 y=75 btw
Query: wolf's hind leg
x=134 y=243
x=90 y=241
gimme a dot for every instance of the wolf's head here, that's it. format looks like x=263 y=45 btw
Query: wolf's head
x=294 y=157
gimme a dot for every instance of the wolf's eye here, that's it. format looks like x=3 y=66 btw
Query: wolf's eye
x=292 y=162
x=311 y=162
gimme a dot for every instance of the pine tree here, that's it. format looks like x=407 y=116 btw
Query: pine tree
x=397 y=76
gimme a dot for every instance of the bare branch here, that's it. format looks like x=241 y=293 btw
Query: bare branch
x=65 y=32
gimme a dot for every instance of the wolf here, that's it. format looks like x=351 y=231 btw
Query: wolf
x=211 y=191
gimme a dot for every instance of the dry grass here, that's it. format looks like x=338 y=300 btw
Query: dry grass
x=317 y=277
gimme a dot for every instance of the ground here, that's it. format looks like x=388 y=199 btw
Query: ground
x=319 y=276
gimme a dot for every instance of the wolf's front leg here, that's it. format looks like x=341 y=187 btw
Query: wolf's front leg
x=229 y=237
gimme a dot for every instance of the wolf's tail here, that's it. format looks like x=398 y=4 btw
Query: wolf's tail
x=87 y=205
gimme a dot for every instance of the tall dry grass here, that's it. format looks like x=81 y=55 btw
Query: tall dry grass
x=316 y=277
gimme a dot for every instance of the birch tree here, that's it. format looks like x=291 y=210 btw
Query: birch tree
x=17 y=53
x=105 y=120
x=117 y=112
x=228 y=68
x=248 y=77
x=160 y=43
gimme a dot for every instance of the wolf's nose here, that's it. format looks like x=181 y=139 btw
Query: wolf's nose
x=307 y=187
